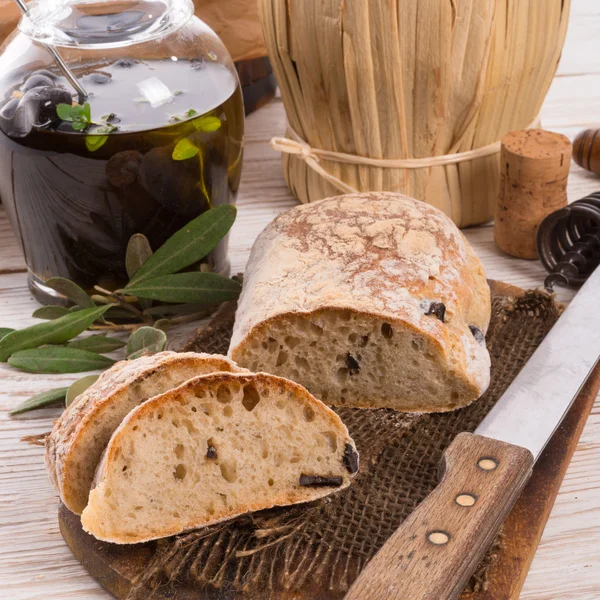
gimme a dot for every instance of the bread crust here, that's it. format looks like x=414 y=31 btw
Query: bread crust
x=92 y=515
x=78 y=420
x=378 y=254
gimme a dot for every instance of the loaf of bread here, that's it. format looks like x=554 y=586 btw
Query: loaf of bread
x=368 y=300
x=218 y=446
x=75 y=446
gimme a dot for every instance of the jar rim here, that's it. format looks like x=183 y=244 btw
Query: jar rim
x=55 y=22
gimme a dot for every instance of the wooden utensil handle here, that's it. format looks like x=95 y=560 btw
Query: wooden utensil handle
x=434 y=552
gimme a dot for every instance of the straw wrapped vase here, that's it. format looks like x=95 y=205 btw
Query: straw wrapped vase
x=409 y=95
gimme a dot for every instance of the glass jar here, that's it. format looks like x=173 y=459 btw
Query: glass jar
x=156 y=141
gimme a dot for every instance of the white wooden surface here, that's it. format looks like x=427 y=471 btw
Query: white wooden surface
x=35 y=564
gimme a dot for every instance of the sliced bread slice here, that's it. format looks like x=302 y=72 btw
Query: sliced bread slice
x=75 y=446
x=218 y=446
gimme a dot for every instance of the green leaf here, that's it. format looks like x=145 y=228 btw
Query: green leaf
x=71 y=290
x=78 y=387
x=118 y=313
x=190 y=113
x=208 y=288
x=185 y=149
x=50 y=312
x=53 y=332
x=5 y=331
x=174 y=309
x=207 y=123
x=41 y=400
x=100 y=344
x=163 y=325
x=57 y=359
x=64 y=112
x=146 y=340
x=188 y=245
x=87 y=112
x=95 y=142
x=98 y=136
x=138 y=252
x=79 y=124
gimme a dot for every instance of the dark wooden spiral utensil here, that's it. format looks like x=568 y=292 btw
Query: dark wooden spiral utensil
x=568 y=242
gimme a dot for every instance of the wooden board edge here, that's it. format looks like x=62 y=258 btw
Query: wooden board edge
x=507 y=573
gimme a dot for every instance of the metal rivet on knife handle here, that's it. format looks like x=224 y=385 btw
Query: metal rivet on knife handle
x=487 y=464
x=438 y=538
x=466 y=500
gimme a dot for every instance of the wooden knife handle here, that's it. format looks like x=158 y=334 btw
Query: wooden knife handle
x=438 y=547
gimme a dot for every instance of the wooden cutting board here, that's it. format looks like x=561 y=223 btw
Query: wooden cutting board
x=116 y=567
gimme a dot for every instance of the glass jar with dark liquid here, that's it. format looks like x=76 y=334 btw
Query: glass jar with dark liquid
x=157 y=141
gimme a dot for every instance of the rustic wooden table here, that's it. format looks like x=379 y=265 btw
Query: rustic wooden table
x=36 y=564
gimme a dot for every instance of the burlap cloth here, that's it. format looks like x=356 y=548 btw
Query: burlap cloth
x=320 y=548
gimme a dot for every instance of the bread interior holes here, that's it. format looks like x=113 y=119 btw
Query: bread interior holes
x=302 y=363
x=180 y=471
x=228 y=411
x=251 y=397
x=387 y=331
x=265 y=450
x=282 y=358
x=224 y=395
x=179 y=450
x=228 y=470
x=331 y=440
x=342 y=375
x=309 y=414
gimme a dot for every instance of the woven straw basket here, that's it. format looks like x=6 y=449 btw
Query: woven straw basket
x=371 y=85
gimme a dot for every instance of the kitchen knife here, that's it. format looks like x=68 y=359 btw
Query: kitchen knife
x=437 y=548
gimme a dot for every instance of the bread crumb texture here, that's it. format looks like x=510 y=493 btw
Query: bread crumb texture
x=81 y=434
x=218 y=446
x=368 y=300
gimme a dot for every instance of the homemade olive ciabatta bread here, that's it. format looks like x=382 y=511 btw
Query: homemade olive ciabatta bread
x=368 y=300
x=78 y=438
x=218 y=446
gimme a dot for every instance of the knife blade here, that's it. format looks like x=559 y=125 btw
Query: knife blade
x=436 y=549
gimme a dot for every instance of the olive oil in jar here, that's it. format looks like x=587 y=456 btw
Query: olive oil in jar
x=163 y=144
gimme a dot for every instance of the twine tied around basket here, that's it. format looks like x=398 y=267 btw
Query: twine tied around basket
x=303 y=150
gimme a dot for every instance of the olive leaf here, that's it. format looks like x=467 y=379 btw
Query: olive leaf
x=186 y=115
x=98 y=136
x=207 y=123
x=138 y=252
x=100 y=344
x=40 y=401
x=80 y=116
x=146 y=340
x=58 y=359
x=208 y=288
x=71 y=290
x=188 y=245
x=78 y=387
x=118 y=313
x=185 y=149
x=95 y=142
x=162 y=324
x=53 y=332
x=174 y=309
x=50 y=312
x=5 y=331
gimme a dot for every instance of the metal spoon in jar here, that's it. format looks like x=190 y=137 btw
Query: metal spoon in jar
x=59 y=61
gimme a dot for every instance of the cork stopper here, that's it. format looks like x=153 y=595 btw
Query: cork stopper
x=533 y=183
